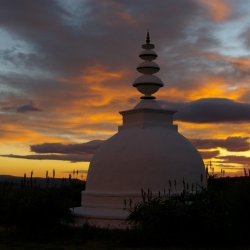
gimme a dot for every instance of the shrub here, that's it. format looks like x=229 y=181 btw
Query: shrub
x=219 y=212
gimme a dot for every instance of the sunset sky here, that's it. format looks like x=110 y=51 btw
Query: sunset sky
x=67 y=68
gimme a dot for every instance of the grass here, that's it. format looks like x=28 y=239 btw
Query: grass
x=30 y=219
x=97 y=245
x=90 y=239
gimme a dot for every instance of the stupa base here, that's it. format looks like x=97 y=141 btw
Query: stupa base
x=102 y=218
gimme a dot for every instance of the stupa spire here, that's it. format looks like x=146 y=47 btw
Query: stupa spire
x=148 y=84
x=148 y=38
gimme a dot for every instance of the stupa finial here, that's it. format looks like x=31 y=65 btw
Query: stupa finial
x=148 y=38
x=148 y=83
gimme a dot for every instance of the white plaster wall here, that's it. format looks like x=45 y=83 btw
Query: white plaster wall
x=136 y=159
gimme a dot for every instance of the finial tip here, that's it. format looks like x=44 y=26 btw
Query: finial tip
x=148 y=38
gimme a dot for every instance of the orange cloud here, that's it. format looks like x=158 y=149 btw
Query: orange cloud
x=241 y=63
x=219 y=11
x=209 y=87
x=220 y=131
x=100 y=74
x=24 y=133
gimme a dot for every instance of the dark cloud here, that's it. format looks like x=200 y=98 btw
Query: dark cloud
x=30 y=107
x=81 y=148
x=209 y=154
x=14 y=104
x=72 y=152
x=244 y=160
x=233 y=144
x=131 y=100
x=172 y=105
x=7 y=108
x=65 y=42
x=212 y=110
x=65 y=39
x=69 y=157
x=84 y=151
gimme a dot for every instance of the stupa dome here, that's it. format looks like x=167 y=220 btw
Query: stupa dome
x=147 y=153
x=144 y=158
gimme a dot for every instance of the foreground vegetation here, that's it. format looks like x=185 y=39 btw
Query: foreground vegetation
x=28 y=206
x=218 y=216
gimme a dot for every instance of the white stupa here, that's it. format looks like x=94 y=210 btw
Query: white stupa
x=146 y=154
